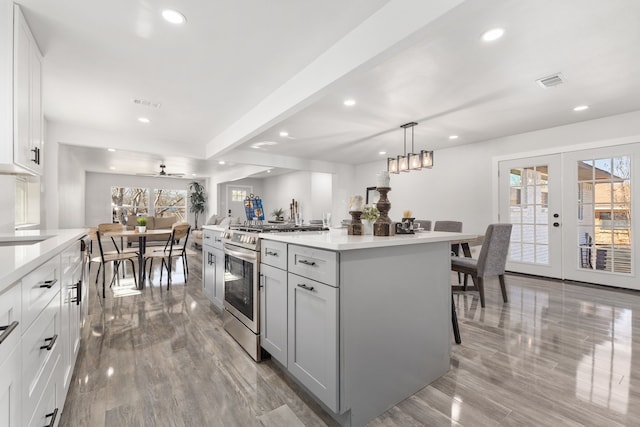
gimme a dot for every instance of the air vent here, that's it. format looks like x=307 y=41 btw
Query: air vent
x=552 y=80
x=147 y=103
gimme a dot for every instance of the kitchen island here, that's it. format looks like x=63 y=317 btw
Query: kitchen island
x=368 y=319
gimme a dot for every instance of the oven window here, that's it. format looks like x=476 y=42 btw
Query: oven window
x=238 y=285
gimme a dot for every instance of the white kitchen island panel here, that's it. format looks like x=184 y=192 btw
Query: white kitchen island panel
x=393 y=314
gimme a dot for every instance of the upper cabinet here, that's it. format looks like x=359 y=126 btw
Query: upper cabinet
x=21 y=116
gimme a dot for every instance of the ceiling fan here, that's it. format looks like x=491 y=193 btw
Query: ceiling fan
x=163 y=173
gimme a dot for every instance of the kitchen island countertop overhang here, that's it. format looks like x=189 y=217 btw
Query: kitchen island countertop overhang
x=339 y=240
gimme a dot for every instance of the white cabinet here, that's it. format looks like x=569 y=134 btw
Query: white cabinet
x=10 y=411
x=213 y=267
x=273 y=311
x=71 y=295
x=21 y=114
x=313 y=337
x=10 y=384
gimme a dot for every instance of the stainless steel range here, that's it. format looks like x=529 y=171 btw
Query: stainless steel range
x=241 y=316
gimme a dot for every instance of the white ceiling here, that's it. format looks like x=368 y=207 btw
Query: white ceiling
x=230 y=56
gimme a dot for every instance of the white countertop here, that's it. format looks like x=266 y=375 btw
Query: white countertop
x=214 y=227
x=339 y=240
x=18 y=260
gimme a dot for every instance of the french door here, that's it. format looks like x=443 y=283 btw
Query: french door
x=573 y=215
x=531 y=200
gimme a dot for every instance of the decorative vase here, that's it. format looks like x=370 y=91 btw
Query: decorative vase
x=367 y=227
x=141 y=228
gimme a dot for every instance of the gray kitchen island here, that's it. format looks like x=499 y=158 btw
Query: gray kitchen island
x=368 y=318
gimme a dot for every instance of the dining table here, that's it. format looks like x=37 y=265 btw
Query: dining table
x=142 y=245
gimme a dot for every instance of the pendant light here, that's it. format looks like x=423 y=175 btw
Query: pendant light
x=411 y=161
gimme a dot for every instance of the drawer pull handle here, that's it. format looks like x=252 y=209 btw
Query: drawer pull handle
x=78 y=288
x=271 y=253
x=304 y=261
x=52 y=342
x=53 y=416
x=217 y=239
x=7 y=330
x=48 y=283
x=308 y=288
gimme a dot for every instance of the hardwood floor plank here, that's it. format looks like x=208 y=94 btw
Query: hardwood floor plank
x=557 y=354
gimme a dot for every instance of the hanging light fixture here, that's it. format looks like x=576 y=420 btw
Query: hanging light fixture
x=411 y=161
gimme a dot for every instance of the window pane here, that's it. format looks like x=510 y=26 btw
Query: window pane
x=167 y=203
x=128 y=201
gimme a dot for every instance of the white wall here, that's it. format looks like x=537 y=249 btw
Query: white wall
x=98 y=193
x=462 y=184
x=50 y=200
x=312 y=190
x=71 y=190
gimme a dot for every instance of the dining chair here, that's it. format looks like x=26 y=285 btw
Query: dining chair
x=175 y=247
x=491 y=260
x=422 y=223
x=113 y=249
x=114 y=257
x=453 y=227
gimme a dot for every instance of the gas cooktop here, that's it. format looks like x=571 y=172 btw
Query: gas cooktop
x=277 y=228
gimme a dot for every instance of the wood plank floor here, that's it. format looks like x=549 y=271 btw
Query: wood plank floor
x=556 y=354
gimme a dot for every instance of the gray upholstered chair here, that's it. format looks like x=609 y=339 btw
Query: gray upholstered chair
x=424 y=223
x=491 y=261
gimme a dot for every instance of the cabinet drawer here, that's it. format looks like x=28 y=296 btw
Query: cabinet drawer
x=212 y=238
x=48 y=410
x=38 y=288
x=274 y=253
x=41 y=345
x=316 y=264
x=10 y=321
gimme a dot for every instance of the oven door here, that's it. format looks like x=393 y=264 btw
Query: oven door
x=241 y=285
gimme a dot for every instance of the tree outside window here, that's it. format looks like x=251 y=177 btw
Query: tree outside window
x=128 y=201
x=168 y=203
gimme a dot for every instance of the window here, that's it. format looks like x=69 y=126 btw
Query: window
x=238 y=195
x=27 y=201
x=127 y=201
x=22 y=204
x=170 y=203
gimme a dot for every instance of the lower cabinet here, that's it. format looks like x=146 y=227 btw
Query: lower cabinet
x=313 y=337
x=273 y=312
x=213 y=275
x=10 y=410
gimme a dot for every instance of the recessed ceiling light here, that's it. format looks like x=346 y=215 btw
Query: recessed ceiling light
x=173 y=16
x=144 y=120
x=111 y=149
x=581 y=108
x=284 y=133
x=350 y=102
x=268 y=170
x=493 y=34
x=193 y=174
x=453 y=137
x=221 y=162
x=112 y=168
x=382 y=153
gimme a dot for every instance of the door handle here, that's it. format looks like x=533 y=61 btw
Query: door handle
x=304 y=261
x=305 y=287
x=7 y=330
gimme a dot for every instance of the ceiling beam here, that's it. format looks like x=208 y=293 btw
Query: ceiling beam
x=395 y=26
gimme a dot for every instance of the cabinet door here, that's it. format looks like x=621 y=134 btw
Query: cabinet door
x=35 y=108
x=313 y=337
x=10 y=390
x=22 y=74
x=218 y=274
x=273 y=312
x=208 y=272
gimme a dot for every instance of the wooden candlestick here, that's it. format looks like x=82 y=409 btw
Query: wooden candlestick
x=355 y=228
x=383 y=225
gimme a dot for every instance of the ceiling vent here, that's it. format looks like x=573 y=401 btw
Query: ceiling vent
x=552 y=80
x=147 y=103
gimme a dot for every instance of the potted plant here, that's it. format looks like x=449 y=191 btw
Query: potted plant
x=197 y=199
x=142 y=224
x=370 y=214
x=278 y=214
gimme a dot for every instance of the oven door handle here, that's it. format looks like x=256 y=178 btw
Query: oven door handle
x=243 y=255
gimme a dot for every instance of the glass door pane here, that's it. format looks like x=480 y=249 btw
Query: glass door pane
x=604 y=214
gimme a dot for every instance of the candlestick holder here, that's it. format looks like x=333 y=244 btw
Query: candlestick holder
x=383 y=225
x=355 y=228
